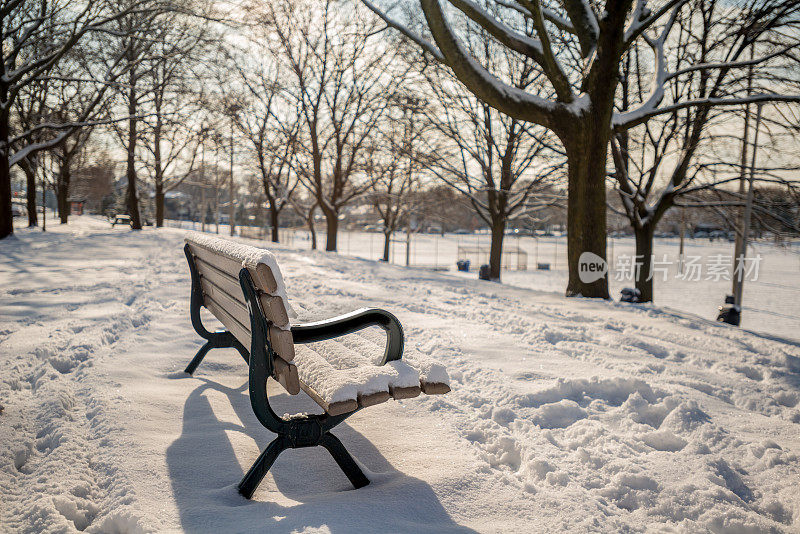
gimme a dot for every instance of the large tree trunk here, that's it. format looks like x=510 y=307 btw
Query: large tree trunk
x=644 y=260
x=133 y=199
x=387 y=243
x=64 y=179
x=496 y=248
x=6 y=218
x=586 y=149
x=159 y=204
x=274 y=214
x=30 y=178
x=332 y=227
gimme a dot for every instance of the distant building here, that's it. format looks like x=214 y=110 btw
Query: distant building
x=76 y=205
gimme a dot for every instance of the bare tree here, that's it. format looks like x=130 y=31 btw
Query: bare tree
x=31 y=109
x=135 y=36
x=77 y=95
x=578 y=45
x=340 y=80
x=306 y=207
x=498 y=163
x=174 y=84
x=36 y=37
x=270 y=124
x=666 y=160
x=395 y=161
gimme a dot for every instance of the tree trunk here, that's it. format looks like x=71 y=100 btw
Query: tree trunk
x=586 y=149
x=387 y=243
x=6 y=217
x=159 y=204
x=133 y=200
x=64 y=179
x=30 y=178
x=274 y=215
x=332 y=227
x=644 y=260
x=496 y=249
x=312 y=230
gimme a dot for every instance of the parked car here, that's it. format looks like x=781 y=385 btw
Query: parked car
x=17 y=211
x=718 y=234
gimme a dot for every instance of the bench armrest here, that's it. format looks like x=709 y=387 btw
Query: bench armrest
x=353 y=322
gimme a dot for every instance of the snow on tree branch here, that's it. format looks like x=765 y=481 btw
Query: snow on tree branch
x=624 y=120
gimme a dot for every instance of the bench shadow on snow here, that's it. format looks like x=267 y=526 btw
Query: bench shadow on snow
x=204 y=471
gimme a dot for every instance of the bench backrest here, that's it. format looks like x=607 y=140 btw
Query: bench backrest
x=218 y=263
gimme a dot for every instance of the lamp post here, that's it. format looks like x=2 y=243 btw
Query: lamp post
x=731 y=312
x=738 y=279
x=410 y=105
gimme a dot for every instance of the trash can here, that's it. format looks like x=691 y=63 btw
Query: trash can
x=462 y=265
x=729 y=312
x=629 y=294
x=484 y=273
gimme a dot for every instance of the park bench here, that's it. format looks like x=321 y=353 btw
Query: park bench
x=121 y=219
x=243 y=288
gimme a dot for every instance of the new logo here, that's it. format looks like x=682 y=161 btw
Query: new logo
x=591 y=267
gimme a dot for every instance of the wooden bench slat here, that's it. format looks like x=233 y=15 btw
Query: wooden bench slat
x=285 y=373
x=434 y=388
x=405 y=393
x=372 y=399
x=282 y=342
x=222 y=263
x=222 y=280
x=274 y=309
x=230 y=305
x=264 y=278
x=262 y=274
x=335 y=408
x=240 y=331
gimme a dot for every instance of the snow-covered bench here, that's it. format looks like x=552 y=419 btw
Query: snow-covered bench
x=243 y=288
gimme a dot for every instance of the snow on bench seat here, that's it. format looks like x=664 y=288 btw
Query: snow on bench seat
x=342 y=375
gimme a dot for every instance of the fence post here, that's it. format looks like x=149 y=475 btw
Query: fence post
x=435 y=251
x=555 y=257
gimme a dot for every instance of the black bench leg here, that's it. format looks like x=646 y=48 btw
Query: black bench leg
x=198 y=357
x=345 y=461
x=256 y=473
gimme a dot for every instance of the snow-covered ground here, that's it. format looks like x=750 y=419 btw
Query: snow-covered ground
x=565 y=414
x=771 y=294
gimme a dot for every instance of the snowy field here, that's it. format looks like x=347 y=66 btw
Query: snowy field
x=771 y=300
x=565 y=414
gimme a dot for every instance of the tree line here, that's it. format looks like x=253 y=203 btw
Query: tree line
x=506 y=103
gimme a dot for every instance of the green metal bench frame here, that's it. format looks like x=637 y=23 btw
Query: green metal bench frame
x=296 y=431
